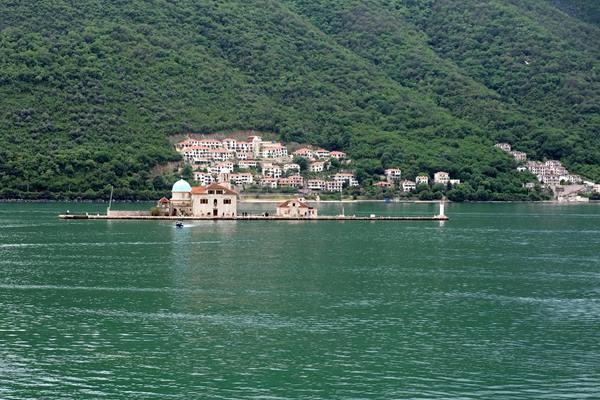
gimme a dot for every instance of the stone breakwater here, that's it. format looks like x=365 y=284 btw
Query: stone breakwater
x=255 y=218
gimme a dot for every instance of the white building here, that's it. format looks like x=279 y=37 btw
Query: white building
x=317 y=166
x=245 y=164
x=242 y=178
x=296 y=208
x=291 y=167
x=321 y=153
x=346 y=177
x=519 y=155
x=338 y=155
x=218 y=154
x=273 y=150
x=407 y=185
x=255 y=143
x=315 y=184
x=422 y=180
x=203 y=178
x=269 y=182
x=296 y=181
x=229 y=144
x=441 y=177
x=333 y=186
x=271 y=171
x=503 y=146
x=304 y=152
x=393 y=174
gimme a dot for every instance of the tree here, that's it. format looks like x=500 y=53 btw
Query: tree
x=187 y=172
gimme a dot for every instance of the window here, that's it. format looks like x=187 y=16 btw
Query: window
x=219 y=192
x=226 y=201
x=203 y=201
x=211 y=192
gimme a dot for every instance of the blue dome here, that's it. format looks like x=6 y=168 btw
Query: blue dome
x=181 y=186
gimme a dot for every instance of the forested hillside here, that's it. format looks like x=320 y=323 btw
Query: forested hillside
x=91 y=91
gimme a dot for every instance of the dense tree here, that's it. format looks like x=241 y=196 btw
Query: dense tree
x=94 y=93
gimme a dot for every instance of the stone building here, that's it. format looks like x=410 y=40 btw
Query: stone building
x=181 y=198
x=214 y=200
x=296 y=208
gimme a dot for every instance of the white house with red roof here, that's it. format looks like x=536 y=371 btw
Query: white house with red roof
x=384 y=184
x=422 y=180
x=317 y=166
x=441 y=177
x=273 y=150
x=393 y=174
x=338 y=155
x=296 y=208
x=271 y=171
x=164 y=206
x=304 y=152
x=321 y=153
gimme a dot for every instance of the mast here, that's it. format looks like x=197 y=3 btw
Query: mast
x=110 y=200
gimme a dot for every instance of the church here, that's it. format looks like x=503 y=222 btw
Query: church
x=212 y=201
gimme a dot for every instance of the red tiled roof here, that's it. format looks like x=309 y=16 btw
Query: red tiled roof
x=164 y=200
x=288 y=202
x=212 y=186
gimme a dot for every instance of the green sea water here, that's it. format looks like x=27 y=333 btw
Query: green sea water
x=500 y=302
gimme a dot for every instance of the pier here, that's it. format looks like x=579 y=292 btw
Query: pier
x=254 y=218
x=285 y=212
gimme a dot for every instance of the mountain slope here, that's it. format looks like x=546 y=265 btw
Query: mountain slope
x=515 y=49
x=586 y=10
x=90 y=93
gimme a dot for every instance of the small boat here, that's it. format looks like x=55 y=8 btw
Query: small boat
x=179 y=224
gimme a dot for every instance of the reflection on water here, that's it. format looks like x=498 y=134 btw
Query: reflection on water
x=501 y=301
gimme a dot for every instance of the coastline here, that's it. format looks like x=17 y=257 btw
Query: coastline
x=277 y=200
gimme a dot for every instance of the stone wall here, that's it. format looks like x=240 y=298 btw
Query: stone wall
x=133 y=213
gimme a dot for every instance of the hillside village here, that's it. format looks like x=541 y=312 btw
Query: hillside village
x=553 y=175
x=253 y=163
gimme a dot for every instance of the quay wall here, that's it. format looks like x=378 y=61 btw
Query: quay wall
x=112 y=214
x=260 y=218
